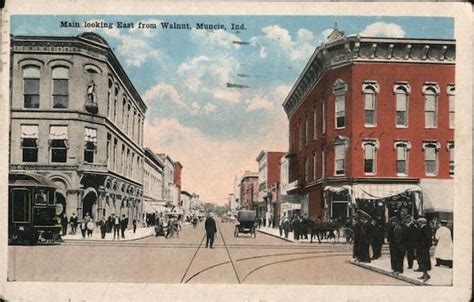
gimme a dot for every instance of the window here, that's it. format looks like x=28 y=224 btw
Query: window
x=402 y=158
x=370 y=152
x=58 y=143
x=340 y=158
x=314 y=166
x=114 y=155
x=122 y=161
x=451 y=158
x=31 y=90
x=339 y=90
x=370 y=117
x=431 y=106
x=60 y=87
x=90 y=144
x=323 y=162
x=301 y=136
x=315 y=124
x=29 y=143
x=109 y=144
x=306 y=170
x=431 y=158
x=305 y=131
x=323 y=114
x=109 y=95
x=401 y=93
x=451 y=96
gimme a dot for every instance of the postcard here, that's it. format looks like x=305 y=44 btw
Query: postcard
x=241 y=151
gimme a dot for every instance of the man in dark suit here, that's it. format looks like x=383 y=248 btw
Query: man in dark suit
x=116 y=225
x=423 y=248
x=211 y=229
x=64 y=224
x=411 y=240
x=123 y=225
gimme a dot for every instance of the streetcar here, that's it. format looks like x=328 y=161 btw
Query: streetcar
x=246 y=223
x=32 y=209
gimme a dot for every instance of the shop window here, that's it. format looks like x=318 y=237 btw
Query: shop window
x=29 y=143
x=90 y=144
x=31 y=87
x=58 y=143
x=60 y=87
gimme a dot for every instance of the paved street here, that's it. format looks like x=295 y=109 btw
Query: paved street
x=264 y=260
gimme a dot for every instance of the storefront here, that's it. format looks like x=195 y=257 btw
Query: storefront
x=378 y=200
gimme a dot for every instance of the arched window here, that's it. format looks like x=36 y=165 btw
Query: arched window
x=451 y=158
x=60 y=87
x=339 y=90
x=402 y=148
x=431 y=106
x=431 y=158
x=370 y=156
x=451 y=96
x=339 y=159
x=31 y=87
x=370 y=116
x=401 y=93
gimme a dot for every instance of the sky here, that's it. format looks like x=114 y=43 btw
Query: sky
x=217 y=132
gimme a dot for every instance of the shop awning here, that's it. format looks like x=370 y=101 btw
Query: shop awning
x=152 y=207
x=437 y=195
x=379 y=191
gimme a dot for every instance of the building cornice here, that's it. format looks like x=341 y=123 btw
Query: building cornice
x=352 y=50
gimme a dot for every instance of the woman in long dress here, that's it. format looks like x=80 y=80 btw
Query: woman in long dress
x=444 y=247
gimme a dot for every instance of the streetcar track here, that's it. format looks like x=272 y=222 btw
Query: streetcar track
x=230 y=257
x=192 y=259
x=324 y=254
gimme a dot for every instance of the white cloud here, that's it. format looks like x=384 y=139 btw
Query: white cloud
x=259 y=103
x=163 y=92
x=210 y=164
x=215 y=39
x=382 y=29
x=209 y=108
x=231 y=96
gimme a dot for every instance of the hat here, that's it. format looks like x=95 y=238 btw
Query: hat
x=443 y=221
x=393 y=218
x=422 y=220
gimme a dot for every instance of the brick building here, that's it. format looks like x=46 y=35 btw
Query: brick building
x=371 y=125
x=77 y=119
x=248 y=191
x=268 y=185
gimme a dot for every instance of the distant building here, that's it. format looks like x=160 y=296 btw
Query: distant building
x=371 y=124
x=186 y=200
x=289 y=203
x=77 y=119
x=153 y=183
x=249 y=191
x=268 y=185
x=171 y=191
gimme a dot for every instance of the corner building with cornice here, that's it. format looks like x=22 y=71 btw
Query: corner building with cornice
x=77 y=119
x=371 y=127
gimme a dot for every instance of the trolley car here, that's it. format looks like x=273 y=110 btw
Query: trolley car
x=32 y=209
x=246 y=223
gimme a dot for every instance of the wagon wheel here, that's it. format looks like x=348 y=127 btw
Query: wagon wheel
x=236 y=232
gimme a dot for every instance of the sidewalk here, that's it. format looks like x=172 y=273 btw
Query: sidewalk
x=275 y=232
x=129 y=235
x=440 y=275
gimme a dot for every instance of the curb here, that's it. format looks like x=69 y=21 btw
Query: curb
x=299 y=242
x=387 y=273
x=105 y=240
x=276 y=236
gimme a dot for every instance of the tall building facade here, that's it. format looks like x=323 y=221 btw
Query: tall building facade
x=268 y=185
x=77 y=119
x=249 y=191
x=153 y=182
x=371 y=124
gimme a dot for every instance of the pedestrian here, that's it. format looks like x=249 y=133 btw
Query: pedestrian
x=123 y=225
x=356 y=236
x=116 y=226
x=423 y=248
x=286 y=227
x=280 y=224
x=364 y=240
x=110 y=224
x=194 y=221
x=411 y=240
x=64 y=224
x=399 y=233
x=211 y=229
x=444 y=245
x=134 y=223
x=103 y=227
x=73 y=222
x=378 y=237
x=83 y=229
x=90 y=227
x=305 y=226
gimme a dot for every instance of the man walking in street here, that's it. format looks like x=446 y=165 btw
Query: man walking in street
x=116 y=226
x=211 y=229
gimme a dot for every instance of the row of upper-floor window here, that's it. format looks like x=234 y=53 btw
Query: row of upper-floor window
x=131 y=120
x=370 y=90
x=153 y=183
x=370 y=147
x=127 y=163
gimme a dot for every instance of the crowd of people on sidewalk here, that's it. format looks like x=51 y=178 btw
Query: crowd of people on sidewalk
x=406 y=237
x=113 y=223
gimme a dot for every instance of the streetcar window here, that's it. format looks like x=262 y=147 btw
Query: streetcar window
x=20 y=205
x=41 y=196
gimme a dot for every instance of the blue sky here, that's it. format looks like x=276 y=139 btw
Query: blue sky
x=215 y=131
